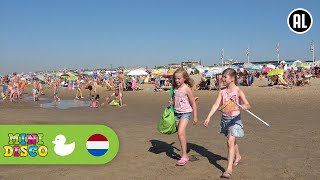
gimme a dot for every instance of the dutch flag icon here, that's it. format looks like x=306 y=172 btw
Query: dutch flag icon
x=97 y=145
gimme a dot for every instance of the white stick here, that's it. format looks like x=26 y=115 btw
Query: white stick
x=251 y=113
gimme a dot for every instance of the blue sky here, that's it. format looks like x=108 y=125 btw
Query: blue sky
x=52 y=34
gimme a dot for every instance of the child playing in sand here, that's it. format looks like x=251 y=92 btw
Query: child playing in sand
x=184 y=104
x=95 y=102
x=231 y=125
x=115 y=99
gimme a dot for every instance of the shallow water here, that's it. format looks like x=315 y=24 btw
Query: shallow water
x=25 y=98
x=66 y=104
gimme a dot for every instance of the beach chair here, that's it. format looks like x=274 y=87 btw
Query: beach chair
x=281 y=81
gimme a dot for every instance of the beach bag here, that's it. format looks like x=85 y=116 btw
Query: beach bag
x=167 y=123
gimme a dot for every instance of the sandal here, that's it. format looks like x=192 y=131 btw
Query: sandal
x=226 y=175
x=182 y=161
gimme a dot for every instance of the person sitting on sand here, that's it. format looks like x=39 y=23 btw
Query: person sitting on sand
x=95 y=102
x=115 y=99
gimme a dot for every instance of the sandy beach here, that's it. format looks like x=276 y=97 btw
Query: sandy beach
x=287 y=150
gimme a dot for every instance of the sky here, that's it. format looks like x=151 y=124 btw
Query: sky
x=54 y=34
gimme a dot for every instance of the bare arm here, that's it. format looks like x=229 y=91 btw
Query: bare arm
x=244 y=102
x=108 y=98
x=214 y=108
x=193 y=105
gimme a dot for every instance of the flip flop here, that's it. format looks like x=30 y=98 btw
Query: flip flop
x=226 y=175
x=182 y=161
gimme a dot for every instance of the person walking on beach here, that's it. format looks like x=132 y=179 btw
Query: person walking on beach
x=56 y=92
x=79 y=87
x=231 y=125
x=184 y=104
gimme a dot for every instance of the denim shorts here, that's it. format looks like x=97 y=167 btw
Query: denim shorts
x=178 y=116
x=231 y=122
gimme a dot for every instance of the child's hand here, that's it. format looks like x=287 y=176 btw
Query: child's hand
x=171 y=102
x=245 y=107
x=206 y=122
x=195 y=120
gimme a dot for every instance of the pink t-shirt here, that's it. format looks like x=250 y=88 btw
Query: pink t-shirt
x=134 y=84
x=225 y=99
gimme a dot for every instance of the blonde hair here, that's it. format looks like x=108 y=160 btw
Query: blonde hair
x=185 y=75
x=232 y=73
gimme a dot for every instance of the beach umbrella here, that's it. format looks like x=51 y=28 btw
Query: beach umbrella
x=157 y=72
x=267 y=69
x=271 y=66
x=171 y=71
x=126 y=71
x=275 y=72
x=64 y=76
x=72 y=78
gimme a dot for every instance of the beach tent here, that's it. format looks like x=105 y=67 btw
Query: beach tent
x=212 y=72
x=302 y=65
x=41 y=77
x=253 y=68
x=137 y=72
x=237 y=67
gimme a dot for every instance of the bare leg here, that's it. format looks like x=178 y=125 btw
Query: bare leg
x=237 y=154
x=77 y=94
x=231 y=153
x=182 y=137
x=81 y=96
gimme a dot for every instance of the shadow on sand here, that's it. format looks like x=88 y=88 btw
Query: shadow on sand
x=160 y=147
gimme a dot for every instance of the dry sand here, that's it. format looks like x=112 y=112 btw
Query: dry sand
x=290 y=149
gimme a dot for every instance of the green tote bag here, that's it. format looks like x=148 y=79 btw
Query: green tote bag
x=167 y=123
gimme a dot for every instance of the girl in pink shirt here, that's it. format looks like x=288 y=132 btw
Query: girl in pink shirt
x=231 y=124
x=184 y=104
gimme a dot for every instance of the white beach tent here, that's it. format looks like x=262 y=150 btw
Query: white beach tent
x=137 y=72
